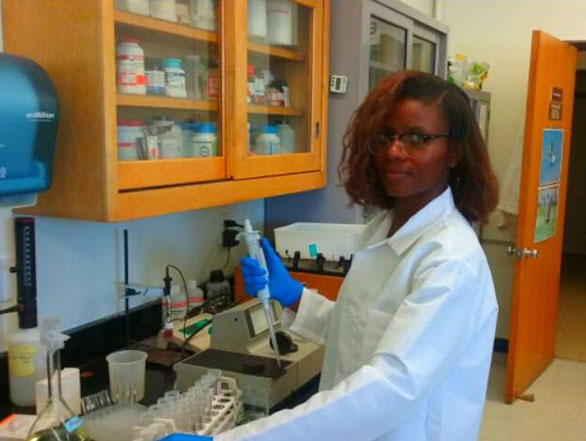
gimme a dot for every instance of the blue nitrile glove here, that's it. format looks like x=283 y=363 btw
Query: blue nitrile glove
x=282 y=286
x=186 y=437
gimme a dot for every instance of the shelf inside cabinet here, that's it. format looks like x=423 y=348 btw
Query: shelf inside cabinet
x=274 y=110
x=160 y=102
x=165 y=27
x=288 y=54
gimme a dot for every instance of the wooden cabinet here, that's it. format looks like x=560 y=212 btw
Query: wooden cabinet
x=76 y=42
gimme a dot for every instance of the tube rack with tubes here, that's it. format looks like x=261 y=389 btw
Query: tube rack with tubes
x=209 y=407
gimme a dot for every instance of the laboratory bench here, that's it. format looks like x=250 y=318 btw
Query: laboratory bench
x=88 y=347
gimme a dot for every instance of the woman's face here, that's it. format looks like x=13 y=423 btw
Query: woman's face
x=415 y=174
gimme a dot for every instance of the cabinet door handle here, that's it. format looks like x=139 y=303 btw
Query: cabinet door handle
x=317 y=129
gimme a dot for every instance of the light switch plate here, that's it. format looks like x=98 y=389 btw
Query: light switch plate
x=338 y=83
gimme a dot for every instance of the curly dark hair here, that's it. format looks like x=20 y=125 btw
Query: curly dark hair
x=473 y=182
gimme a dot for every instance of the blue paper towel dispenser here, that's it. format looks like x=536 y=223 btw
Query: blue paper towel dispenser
x=28 y=127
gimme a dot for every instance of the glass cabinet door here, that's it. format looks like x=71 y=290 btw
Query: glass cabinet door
x=388 y=49
x=423 y=55
x=281 y=78
x=168 y=61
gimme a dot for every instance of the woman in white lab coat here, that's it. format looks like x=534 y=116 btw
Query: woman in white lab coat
x=409 y=339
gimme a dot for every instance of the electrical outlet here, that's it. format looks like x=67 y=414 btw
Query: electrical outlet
x=5 y=294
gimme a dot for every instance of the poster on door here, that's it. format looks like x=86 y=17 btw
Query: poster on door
x=547 y=212
x=551 y=156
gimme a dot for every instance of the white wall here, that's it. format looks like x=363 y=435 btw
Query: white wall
x=78 y=263
x=425 y=6
x=499 y=32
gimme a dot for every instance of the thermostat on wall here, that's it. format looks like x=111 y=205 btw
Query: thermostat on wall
x=338 y=83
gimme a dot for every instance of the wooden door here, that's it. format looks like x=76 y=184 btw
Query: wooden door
x=274 y=132
x=546 y=152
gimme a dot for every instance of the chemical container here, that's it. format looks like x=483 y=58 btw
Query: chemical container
x=155 y=76
x=267 y=142
x=129 y=49
x=135 y=6
x=280 y=22
x=129 y=130
x=286 y=137
x=205 y=141
x=203 y=14
x=174 y=78
x=217 y=285
x=257 y=20
x=170 y=141
x=164 y=9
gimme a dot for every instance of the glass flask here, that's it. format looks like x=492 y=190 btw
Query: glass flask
x=56 y=422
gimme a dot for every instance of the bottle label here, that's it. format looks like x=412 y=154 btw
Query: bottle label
x=72 y=424
x=21 y=360
x=213 y=87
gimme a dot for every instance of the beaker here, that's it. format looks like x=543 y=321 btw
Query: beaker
x=127 y=372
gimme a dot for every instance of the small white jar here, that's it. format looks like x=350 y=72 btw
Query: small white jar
x=174 y=78
x=164 y=10
x=268 y=142
x=129 y=49
x=257 y=20
x=128 y=132
x=205 y=140
x=280 y=22
x=203 y=14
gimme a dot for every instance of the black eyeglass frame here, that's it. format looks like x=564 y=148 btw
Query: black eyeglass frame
x=385 y=140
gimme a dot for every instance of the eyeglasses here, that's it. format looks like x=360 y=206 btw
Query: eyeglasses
x=411 y=143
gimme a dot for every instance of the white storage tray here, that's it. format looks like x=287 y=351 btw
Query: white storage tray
x=332 y=240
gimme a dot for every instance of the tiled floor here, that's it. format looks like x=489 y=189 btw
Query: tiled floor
x=557 y=414
x=571 y=329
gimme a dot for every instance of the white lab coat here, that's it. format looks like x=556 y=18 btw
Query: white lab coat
x=408 y=342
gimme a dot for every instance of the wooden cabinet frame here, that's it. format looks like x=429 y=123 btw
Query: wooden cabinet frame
x=74 y=41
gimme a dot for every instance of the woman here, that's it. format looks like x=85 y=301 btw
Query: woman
x=409 y=339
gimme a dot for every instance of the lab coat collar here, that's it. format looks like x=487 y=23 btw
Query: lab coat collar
x=435 y=211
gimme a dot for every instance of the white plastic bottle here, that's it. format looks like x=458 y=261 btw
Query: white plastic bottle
x=178 y=303
x=174 y=78
x=164 y=9
x=170 y=141
x=286 y=137
x=129 y=49
x=26 y=365
x=204 y=140
x=268 y=142
x=134 y=6
x=257 y=20
x=128 y=133
x=195 y=293
x=280 y=22
x=203 y=15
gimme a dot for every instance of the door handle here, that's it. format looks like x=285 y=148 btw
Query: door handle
x=520 y=254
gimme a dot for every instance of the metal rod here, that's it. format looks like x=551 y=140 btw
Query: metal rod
x=126 y=299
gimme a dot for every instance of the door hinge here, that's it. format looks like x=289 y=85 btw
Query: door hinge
x=520 y=254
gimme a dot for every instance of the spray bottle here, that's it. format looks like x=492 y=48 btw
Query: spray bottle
x=252 y=239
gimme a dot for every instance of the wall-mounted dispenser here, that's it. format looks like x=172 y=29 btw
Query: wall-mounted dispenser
x=28 y=129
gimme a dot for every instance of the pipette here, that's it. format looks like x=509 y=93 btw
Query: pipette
x=252 y=239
